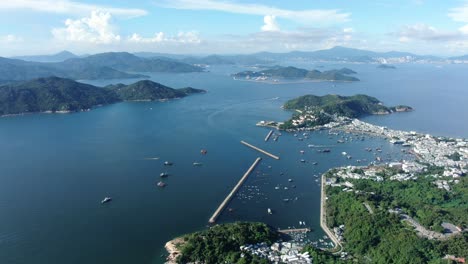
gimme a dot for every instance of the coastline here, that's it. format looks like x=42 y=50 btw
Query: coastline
x=323 y=217
x=173 y=250
x=294 y=81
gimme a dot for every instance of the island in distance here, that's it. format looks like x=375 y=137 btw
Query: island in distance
x=314 y=111
x=297 y=73
x=60 y=95
x=386 y=67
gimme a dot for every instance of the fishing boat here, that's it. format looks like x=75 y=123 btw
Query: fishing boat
x=106 y=200
x=168 y=163
x=203 y=151
x=269 y=211
x=197 y=164
x=163 y=174
x=161 y=184
x=303 y=160
x=290 y=180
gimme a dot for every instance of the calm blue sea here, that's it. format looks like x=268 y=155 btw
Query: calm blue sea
x=55 y=169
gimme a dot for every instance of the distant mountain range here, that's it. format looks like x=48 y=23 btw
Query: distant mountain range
x=298 y=73
x=112 y=65
x=61 y=56
x=54 y=94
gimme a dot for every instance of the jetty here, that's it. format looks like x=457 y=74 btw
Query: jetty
x=295 y=230
x=323 y=218
x=260 y=150
x=268 y=135
x=233 y=192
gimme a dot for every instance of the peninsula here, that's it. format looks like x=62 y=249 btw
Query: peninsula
x=60 y=95
x=297 y=73
x=312 y=110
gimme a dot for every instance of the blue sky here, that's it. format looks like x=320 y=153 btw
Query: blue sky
x=232 y=26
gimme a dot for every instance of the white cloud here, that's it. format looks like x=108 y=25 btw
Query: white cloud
x=95 y=29
x=316 y=16
x=190 y=37
x=459 y=14
x=426 y=33
x=348 y=30
x=7 y=39
x=270 y=24
x=67 y=7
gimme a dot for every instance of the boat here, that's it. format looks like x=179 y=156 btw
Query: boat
x=168 y=163
x=286 y=200
x=203 y=151
x=344 y=153
x=277 y=188
x=106 y=200
x=302 y=152
x=285 y=188
x=290 y=180
x=197 y=164
x=300 y=222
x=269 y=211
x=314 y=163
x=163 y=174
x=161 y=184
x=303 y=160
x=349 y=157
x=326 y=150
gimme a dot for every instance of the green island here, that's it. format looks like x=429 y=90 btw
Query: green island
x=312 y=110
x=60 y=95
x=297 y=73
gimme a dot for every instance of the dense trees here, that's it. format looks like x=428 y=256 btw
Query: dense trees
x=382 y=237
x=221 y=243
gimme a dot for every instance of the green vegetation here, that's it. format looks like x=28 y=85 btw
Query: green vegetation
x=220 y=244
x=349 y=106
x=323 y=107
x=320 y=256
x=297 y=73
x=382 y=237
x=59 y=94
x=455 y=156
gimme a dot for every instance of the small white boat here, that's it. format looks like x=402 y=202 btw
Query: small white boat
x=344 y=153
x=163 y=174
x=197 y=164
x=269 y=211
x=290 y=180
x=106 y=200
x=168 y=163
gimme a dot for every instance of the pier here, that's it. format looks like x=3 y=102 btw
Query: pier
x=296 y=230
x=233 y=192
x=269 y=135
x=260 y=150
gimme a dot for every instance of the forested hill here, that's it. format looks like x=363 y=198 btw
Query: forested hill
x=54 y=94
x=349 y=106
x=298 y=73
